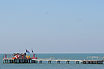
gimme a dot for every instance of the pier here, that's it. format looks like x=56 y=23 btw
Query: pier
x=23 y=58
x=49 y=61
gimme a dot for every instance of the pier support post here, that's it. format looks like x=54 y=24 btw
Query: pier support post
x=49 y=62
x=67 y=62
x=19 y=61
x=97 y=62
x=6 y=61
x=29 y=61
x=3 y=61
x=40 y=62
x=15 y=60
x=92 y=62
x=84 y=62
x=11 y=61
x=77 y=62
x=58 y=62
x=26 y=60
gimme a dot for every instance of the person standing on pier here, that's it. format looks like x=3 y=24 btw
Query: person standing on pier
x=34 y=56
x=27 y=51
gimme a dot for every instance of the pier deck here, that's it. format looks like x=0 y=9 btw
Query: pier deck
x=49 y=61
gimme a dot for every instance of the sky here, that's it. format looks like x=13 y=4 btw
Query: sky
x=52 y=26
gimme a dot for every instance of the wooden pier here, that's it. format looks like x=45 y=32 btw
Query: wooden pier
x=49 y=61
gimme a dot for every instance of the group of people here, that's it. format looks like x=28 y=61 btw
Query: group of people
x=23 y=55
x=20 y=56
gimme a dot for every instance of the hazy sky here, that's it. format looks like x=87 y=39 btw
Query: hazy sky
x=49 y=26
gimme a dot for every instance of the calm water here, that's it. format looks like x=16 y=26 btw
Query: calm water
x=57 y=66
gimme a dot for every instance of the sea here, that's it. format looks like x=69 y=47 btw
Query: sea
x=62 y=65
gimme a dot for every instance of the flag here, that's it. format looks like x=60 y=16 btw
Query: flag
x=27 y=51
